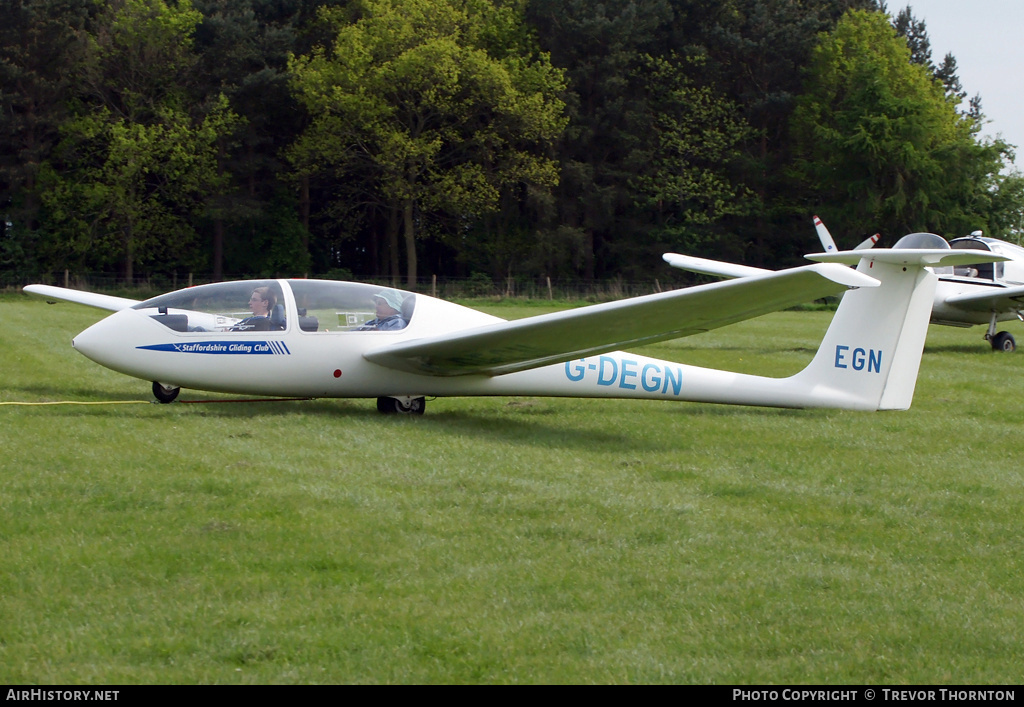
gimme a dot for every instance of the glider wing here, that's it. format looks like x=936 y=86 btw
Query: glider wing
x=711 y=267
x=507 y=347
x=92 y=299
x=995 y=299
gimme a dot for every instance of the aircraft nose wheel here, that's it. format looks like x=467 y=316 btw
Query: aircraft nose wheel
x=1003 y=341
x=402 y=406
x=165 y=393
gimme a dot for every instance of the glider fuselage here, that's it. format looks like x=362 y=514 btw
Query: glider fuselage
x=320 y=352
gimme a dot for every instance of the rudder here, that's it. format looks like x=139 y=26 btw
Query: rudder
x=871 y=353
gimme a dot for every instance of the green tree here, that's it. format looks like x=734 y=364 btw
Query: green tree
x=915 y=32
x=243 y=48
x=437 y=105
x=38 y=49
x=880 y=145
x=696 y=137
x=595 y=223
x=135 y=162
x=631 y=130
x=756 y=50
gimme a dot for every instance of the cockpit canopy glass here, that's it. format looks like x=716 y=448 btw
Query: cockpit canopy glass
x=321 y=306
x=249 y=305
x=984 y=271
x=352 y=306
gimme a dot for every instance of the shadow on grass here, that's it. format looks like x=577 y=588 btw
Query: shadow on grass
x=79 y=400
x=753 y=350
x=983 y=347
x=524 y=422
x=744 y=411
x=534 y=422
x=48 y=393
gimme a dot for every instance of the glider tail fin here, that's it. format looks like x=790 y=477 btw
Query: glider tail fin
x=871 y=353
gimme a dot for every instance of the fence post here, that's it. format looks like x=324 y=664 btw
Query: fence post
x=66 y=278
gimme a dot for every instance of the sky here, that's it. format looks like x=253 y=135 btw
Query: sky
x=987 y=39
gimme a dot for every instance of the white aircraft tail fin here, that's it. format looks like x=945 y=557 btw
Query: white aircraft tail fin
x=871 y=353
x=872 y=350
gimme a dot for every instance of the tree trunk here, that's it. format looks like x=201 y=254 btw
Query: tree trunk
x=589 y=269
x=218 y=221
x=304 y=209
x=373 y=246
x=410 y=243
x=218 y=249
x=393 y=243
x=129 y=253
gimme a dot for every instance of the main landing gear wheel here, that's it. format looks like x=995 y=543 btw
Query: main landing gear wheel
x=1003 y=341
x=402 y=406
x=165 y=393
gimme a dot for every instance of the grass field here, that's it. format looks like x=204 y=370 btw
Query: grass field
x=511 y=540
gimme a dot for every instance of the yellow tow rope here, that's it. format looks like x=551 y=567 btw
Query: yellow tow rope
x=155 y=402
x=78 y=402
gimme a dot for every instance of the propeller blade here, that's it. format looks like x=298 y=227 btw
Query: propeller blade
x=868 y=243
x=824 y=236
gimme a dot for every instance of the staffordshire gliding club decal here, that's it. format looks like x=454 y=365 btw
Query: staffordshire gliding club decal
x=238 y=348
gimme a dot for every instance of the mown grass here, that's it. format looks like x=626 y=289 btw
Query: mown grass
x=510 y=540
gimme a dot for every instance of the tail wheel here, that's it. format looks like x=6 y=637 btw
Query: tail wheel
x=402 y=406
x=1004 y=341
x=165 y=393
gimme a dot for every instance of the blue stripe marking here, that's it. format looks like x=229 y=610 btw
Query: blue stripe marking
x=229 y=348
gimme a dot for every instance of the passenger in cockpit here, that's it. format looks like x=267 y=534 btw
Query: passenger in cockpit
x=388 y=308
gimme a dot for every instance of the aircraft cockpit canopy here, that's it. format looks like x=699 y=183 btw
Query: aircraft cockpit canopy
x=922 y=240
x=314 y=306
x=352 y=306
x=989 y=271
x=926 y=240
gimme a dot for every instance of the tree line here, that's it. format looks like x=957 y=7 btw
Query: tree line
x=397 y=139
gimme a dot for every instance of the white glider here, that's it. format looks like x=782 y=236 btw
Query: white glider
x=321 y=340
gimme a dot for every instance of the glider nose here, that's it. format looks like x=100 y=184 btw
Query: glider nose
x=95 y=342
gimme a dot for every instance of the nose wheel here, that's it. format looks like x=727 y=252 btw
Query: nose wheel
x=165 y=393
x=1002 y=341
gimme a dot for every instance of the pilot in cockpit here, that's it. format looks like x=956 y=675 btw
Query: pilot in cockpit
x=261 y=304
x=388 y=308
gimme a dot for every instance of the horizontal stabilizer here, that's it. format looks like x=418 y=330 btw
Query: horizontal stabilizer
x=928 y=257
